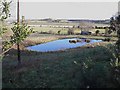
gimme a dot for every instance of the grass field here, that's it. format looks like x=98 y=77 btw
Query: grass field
x=75 y=68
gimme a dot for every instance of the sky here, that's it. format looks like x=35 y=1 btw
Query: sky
x=66 y=10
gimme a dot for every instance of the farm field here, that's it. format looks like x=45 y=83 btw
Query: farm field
x=63 y=30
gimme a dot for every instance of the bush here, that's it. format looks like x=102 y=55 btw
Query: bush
x=97 y=32
x=59 y=32
x=96 y=74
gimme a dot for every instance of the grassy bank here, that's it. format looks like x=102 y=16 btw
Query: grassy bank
x=42 y=38
x=75 y=68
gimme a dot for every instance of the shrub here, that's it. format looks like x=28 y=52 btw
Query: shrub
x=59 y=32
x=96 y=74
x=97 y=32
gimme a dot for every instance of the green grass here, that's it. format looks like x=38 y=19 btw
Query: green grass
x=74 y=68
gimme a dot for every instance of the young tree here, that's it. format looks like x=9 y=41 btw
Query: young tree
x=5 y=9
x=20 y=32
x=4 y=14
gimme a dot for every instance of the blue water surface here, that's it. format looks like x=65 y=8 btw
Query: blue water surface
x=59 y=45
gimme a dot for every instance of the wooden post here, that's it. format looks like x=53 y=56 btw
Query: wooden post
x=18 y=22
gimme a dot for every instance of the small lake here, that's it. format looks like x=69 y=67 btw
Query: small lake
x=60 y=45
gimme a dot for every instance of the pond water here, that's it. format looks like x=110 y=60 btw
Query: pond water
x=60 y=45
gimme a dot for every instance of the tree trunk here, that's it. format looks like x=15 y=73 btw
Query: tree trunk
x=18 y=53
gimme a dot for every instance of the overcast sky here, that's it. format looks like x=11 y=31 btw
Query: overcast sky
x=66 y=10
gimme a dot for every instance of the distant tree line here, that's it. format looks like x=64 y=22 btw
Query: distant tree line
x=97 y=27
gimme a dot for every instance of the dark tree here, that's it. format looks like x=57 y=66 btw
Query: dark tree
x=115 y=27
x=97 y=32
x=59 y=32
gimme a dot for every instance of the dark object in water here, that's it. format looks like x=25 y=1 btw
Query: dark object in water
x=107 y=39
x=87 y=40
x=73 y=41
x=78 y=40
